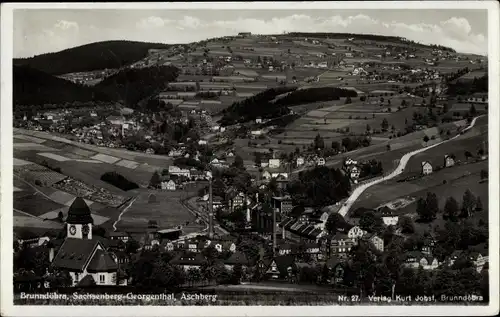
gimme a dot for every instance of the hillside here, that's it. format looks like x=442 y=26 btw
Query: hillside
x=34 y=87
x=94 y=56
x=130 y=86
x=31 y=86
x=256 y=106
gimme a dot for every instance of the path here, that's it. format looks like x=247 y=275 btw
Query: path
x=123 y=211
x=402 y=164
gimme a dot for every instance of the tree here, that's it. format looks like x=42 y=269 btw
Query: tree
x=468 y=155
x=426 y=139
x=432 y=205
x=479 y=204
x=334 y=222
x=468 y=204
x=385 y=125
x=60 y=216
x=336 y=146
x=451 y=209
x=155 y=180
x=238 y=162
x=368 y=128
x=348 y=100
x=371 y=222
x=472 y=110
x=319 y=143
x=406 y=224
x=422 y=211
x=131 y=246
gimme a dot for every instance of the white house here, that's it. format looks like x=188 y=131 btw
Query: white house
x=258 y=120
x=300 y=161
x=274 y=163
x=275 y=174
x=174 y=170
x=390 y=220
x=202 y=142
x=355 y=232
x=426 y=168
x=320 y=161
x=256 y=132
x=170 y=185
x=266 y=175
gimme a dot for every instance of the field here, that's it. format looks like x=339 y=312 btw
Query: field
x=166 y=209
x=458 y=179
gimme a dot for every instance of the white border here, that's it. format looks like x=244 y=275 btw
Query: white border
x=6 y=291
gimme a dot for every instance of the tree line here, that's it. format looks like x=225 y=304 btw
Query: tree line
x=89 y=57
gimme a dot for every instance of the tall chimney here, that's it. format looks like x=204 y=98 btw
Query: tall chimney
x=274 y=232
x=210 y=210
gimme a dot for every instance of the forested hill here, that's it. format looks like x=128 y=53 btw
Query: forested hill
x=256 y=106
x=89 y=57
x=34 y=87
x=31 y=86
x=131 y=85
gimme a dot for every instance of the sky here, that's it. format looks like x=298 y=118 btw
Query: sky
x=38 y=31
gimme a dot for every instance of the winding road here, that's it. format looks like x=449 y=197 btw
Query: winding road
x=402 y=164
x=123 y=211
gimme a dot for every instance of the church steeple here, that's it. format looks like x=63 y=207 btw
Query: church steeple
x=79 y=220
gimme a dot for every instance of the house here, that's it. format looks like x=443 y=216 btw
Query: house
x=348 y=55
x=256 y=132
x=287 y=249
x=479 y=260
x=449 y=160
x=426 y=168
x=202 y=142
x=217 y=202
x=170 y=185
x=339 y=244
x=82 y=256
x=174 y=170
x=237 y=258
x=280 y=267
x=266 y=175
x=375 y=240
x=313 y=250
x=337 y=269
x=416 y=259
x=116 y=120
x=258 y=120
x=354 y=173
x=150 y=151
x=299 y=161
x=283 y=204
x=388 y=216
x=236 y=200
x=320 y=161
x=119 y=235
x=274 y=163
x=279 y=174
x=355 y=232
x=175 y=153
x=188 y=260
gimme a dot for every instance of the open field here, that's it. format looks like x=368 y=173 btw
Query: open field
x=436 y=155
x=166 y=209
x=456 y=177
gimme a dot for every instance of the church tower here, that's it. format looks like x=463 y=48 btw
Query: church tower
x=79 y=220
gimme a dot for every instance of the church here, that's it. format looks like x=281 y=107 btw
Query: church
x=84 y=257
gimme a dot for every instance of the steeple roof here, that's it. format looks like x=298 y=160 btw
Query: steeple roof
x=79 y=212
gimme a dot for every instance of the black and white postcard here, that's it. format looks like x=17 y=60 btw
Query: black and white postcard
x=250 y=158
